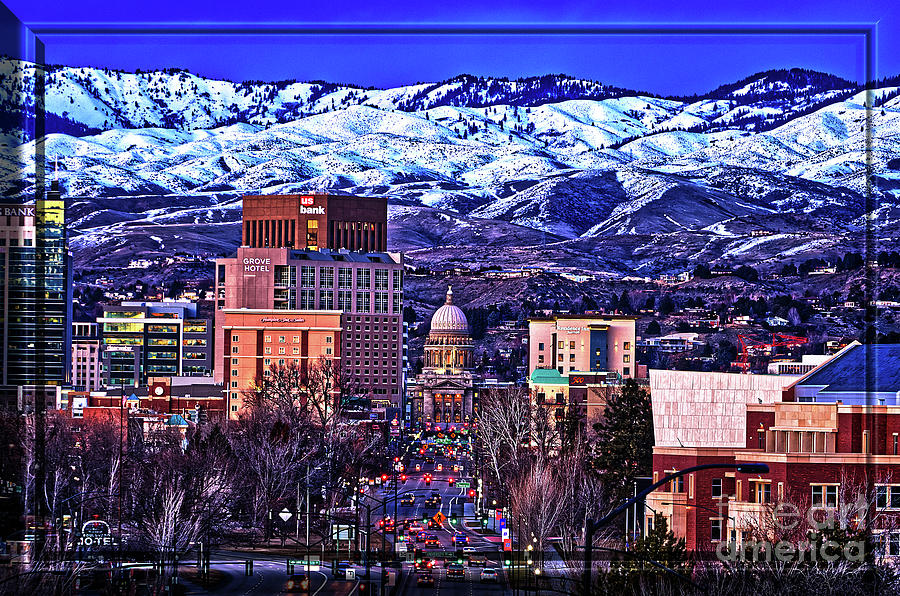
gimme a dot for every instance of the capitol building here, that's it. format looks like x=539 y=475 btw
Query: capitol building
x=443 y=394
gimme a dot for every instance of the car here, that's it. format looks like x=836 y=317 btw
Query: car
x=477 y=561
x=469 y=549
x=408 y=500
x=456 y=571
x=418 y=467
x=433 y=525
x=459 y=539
x=489 y=574
x=297 y=582
x=432 y=540
x=424 y=564
x=440 y=467
x=429 y=460
x=433 y=502
x=425 y=579
x=420 y=537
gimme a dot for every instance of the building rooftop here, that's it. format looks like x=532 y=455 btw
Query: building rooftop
x=860 y=368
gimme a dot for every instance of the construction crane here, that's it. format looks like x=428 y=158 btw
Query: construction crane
x=750 y=347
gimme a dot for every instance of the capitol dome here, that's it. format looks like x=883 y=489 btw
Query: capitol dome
x=448 y=317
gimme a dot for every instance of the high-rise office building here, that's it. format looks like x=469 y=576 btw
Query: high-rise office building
x=35 y=300
x=342 y=269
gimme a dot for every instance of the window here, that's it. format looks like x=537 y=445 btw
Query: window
x=887 y=496
x=761 y=439
x=562 y=345
x=381 y=279
x=268 y=339
x=395 y=304
x=326 y=300
x=541 y=346
x=295 y=350
x=345 y=300
x=363 y=279
x=381 y=303
x=678 y=485
x=234 y=384
x=296 y=339
x=281 y=350
x=398 y=277
x=281 y=339
x=234 y=349
x=626 y=370
x=327 y=339
x=234 y=372
x=824 y=495
x=307 y=277
x=571 y=345
x=326 y=277
x=345 y=278
x=312 y=233
x=307 y=299
x=626 y=345
x=540 y=358
x=626 y=358
x=716 y=489
x=715 y=529
x=895 y=443
x=267 y=350
x=363 y=302
x=571 y=357
x=761 y=492
x=235 y=338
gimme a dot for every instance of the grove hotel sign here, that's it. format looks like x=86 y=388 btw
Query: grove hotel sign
x=256 y=264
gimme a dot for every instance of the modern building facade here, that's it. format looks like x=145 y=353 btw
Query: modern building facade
x=87 y=368
x=583 y=343
x=148 y=339
x=315 y=221
x=35 y=301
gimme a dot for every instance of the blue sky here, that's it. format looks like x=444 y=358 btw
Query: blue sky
x=660 y=64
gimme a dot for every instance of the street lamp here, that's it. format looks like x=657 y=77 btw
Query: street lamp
x=591 y=526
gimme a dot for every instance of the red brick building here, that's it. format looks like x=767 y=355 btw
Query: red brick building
x=823 y=454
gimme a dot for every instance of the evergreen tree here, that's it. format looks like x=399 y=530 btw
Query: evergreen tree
x=624 y=448
x=661 y=545
x=653 y=328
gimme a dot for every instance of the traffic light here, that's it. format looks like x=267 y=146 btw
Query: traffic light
x=384 y=477
x=471 y=493
x=403 y=477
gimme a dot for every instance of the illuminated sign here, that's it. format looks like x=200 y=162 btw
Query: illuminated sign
x=95 y=533
x=282 y=320
x=307 y=201
x=256 y=264
x=312 y=210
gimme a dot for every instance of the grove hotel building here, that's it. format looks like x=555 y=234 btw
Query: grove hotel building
x=583 y=343
x=325 y=278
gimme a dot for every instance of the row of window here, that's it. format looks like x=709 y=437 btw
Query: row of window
x=286 y=275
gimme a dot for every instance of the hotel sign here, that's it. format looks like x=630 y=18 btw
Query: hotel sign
x=570 y=329
x=281 y=320
x=256 y=264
